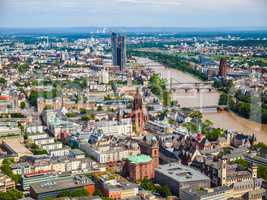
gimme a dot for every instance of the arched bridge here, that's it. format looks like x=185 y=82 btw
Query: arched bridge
x=192 y=86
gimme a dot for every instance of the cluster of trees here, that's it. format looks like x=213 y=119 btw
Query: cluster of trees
x=12 y=115
x=45 y=94
x=22 y=68
x=88 y=117
x=247 y=105
x=36 y=150
x=262 y=172
x=76 y=193
x=164 y=191
x=197 y=124
x=11 y=195
x=242 y=164
x=170 y=60
x=87 y=114
x=100 y=194
x=158 y=88
x=72 y=114
x=7 y=170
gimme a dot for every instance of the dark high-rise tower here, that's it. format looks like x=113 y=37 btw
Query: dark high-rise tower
x=118 y=49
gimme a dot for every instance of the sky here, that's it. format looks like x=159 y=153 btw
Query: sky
x=133 y=13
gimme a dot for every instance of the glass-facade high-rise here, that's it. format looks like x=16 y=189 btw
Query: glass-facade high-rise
x=118 y=49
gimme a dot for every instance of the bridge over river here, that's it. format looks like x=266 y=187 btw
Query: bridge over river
x=205 y=101
x=186 y=89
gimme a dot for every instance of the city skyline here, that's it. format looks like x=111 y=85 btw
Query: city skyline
x=133 y=13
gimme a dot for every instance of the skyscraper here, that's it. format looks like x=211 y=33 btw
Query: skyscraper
x=118 y=49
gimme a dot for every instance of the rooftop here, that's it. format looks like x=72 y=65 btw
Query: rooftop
x=72 y=182
x=141 y=158
x=181 y=173
x=16 y=146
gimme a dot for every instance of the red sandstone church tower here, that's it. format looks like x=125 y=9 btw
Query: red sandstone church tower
x=138 y=112
x=223 y=68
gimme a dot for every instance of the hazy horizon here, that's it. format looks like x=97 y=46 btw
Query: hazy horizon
x=133 y=13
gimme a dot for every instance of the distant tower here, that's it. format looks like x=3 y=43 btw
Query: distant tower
x=40 y=104
x=118 y=50
x=155 y=154
x=223 y=68
x=254 y=171
x=138 y=112
x=129 y=79
x=223 y=171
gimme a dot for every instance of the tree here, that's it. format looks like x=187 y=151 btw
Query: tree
x=223 y=99
x=99 y=108
x=11 y=195
x=243 y=164
x=166 y=98
x=2 y=81
x=76 y=193
x=214 y=134
x=165 y=191
x=7 y=170
x=64 y=194
x=23 y=68
x=262 y=172
x=88 y=117
x=114 y=87
x=22 y=105
x=196 y=115
x=148 y=185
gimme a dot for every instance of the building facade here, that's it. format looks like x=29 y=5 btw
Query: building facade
x=139 y=167
x=118 y=49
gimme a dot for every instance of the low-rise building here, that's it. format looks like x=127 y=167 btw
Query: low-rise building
x=110 y=149
x=181 y=178
x=36 y=136
x=52 y=189
x=157 y=127
x=44 y=141
x=15 y=146
x=139 y=167
x=115 y=187
x=59 y=152
x=52 y=146
x=116 y=128
x=6 y=183
x=57 y=164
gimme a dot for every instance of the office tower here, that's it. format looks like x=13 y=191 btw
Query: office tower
x=118 y=49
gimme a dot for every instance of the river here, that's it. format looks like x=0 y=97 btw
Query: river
x=225 y=120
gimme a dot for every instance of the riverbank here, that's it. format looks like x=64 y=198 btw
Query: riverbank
x=231 y=121
x=225 y=120
x=185 y=99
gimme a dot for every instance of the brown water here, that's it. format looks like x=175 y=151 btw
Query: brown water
x=225 y=120
x=230 y=121
x=188 y=99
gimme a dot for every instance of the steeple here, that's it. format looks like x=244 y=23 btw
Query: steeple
x=138 y=112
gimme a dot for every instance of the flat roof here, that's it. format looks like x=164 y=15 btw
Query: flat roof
x=57 y=185
x=141 y=158
x=181 y=173
x=17 y=147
